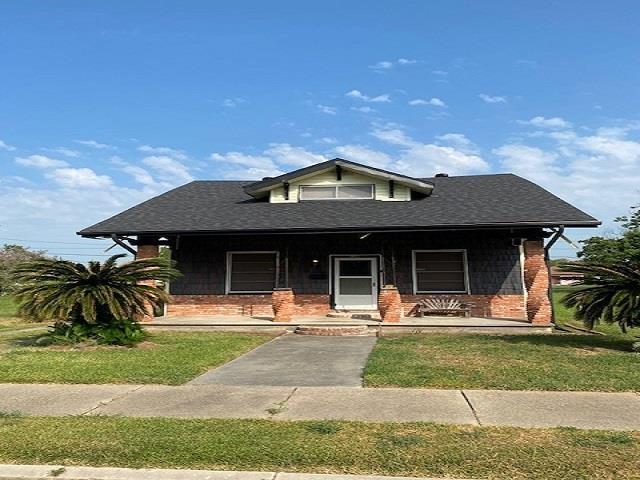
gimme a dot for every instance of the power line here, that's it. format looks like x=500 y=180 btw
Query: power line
x=41 y=241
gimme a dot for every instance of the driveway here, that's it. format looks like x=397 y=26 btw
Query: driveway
x=297 y=361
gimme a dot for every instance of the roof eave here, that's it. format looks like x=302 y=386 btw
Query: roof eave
x=570 y=224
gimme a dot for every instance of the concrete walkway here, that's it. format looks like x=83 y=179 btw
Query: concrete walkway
x=609 y=411
x=297 y=360
x=46 y=472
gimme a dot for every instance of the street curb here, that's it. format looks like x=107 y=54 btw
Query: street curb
x=48 y=472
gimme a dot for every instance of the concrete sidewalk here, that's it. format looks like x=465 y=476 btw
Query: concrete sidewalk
x=46 y=472
x=609 y=411
x=296 y=360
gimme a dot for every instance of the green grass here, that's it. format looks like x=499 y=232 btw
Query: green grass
x=9 y=320
x=516 y=362
x=509 y=362
x=167 y=358
x=417 y=449
x=564 y=315
x=8 y=308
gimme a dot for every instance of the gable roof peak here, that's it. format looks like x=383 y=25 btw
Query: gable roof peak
x=259 y=188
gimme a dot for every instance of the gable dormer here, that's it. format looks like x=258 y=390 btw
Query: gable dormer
x=338 y=179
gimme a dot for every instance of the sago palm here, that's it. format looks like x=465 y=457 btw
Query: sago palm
x=98 y=293
x=608 y=293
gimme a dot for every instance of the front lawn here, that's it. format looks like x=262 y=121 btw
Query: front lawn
x=418 y=449
x=9 y=319
x=166 y=358
x=509 y=362
x=564 y=315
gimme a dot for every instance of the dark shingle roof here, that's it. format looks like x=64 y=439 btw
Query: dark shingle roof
x=465 y=201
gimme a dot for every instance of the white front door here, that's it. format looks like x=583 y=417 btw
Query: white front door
x=356 y=283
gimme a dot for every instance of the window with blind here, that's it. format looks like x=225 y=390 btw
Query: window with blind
x=439 y=271
x=251 y=272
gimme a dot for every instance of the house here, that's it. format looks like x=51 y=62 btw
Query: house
x=561 y=277
x=339 y=235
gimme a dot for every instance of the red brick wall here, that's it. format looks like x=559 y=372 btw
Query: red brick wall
x=247 y=305
x=497 y=306
x=536 y=281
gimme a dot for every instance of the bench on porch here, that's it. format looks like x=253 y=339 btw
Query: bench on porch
x=446 y=306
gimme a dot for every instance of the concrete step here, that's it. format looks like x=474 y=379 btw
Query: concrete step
x=355 y=314
x=335 y=331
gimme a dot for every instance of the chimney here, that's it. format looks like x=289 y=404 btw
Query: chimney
x=442 y=174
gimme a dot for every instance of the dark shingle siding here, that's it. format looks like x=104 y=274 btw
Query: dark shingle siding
x=219 y=206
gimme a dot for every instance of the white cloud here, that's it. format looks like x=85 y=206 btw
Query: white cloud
x=424 y=159
x=79 y=178
x=242 y=166
x=40 y=161
x=460 y=141
x=492 y=99
x=168 y=169
x=172 y=152
x=385 y=98
x=5 y=146
x=598 y=173
x=364 y=109
x=139 y=174
x=440 y=73
x=93 y=144
x=384 y=65
x=67 y=152
x=327 y=110
x=283 y=153
x=233 y=102
x=328 y=140
x=542 y=122
x=435 y=102
x=362 y=154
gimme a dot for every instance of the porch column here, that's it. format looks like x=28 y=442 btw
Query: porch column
x=148 y=251
x=390 y=304
x=536 y=281
x=283 y=301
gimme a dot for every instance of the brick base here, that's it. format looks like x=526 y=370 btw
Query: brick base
x=244 y=305
x=313 y=305
x=496 y=306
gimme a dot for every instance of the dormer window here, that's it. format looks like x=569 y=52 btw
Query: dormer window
x=336 y=192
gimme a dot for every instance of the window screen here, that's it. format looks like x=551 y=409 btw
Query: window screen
x=355 y=191
x=440 y=271
x=252 y=272
x=341 y=192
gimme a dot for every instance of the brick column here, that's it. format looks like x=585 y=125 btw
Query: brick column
x=536 y=281
x=148 y=251
x=390 y=304
x=283 y=301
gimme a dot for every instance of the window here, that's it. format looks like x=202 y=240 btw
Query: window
x=333 y=192
x=443 y=271
x=251 y=272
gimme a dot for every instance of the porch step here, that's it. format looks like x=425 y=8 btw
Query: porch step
x=334 y=331
x=355 y=314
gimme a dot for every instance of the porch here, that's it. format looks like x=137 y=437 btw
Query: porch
x=431 y=324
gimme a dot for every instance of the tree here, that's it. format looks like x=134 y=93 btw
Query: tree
x=622 y=249
x=10 y=257
x=99 y=301
x=610 y=293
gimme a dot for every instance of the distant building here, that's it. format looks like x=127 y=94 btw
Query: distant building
x=559 y=277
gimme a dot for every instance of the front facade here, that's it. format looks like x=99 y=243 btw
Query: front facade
x=343 y=236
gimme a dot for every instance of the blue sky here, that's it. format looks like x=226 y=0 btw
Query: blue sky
x=104 y=104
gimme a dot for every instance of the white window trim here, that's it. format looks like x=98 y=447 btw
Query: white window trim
x=336 y=186
x=465 y=265
x=227 y=283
